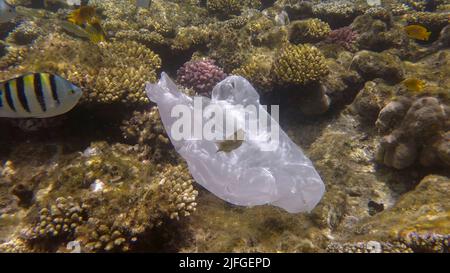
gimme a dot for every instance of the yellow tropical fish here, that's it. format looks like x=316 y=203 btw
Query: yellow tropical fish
x=414 y=84
x=417 y=32
x=82 y=15
x=95 y=32
x=83 y=22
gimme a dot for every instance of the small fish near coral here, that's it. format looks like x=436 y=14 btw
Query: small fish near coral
x=82 y=15
x=232 y=142
x=85 y=23
x=7 y=12
x=414 y=84
x=417 y=32
x=37 y=95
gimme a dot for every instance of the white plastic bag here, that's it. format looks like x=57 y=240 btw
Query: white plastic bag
x=257 y=172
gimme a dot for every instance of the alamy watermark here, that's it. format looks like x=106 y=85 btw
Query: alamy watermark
x=220 y=122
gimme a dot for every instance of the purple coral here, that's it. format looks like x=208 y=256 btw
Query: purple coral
x=201 y=75
x=345 y=37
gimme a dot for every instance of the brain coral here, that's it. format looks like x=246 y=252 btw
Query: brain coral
x=201 y=75
x=299 y=65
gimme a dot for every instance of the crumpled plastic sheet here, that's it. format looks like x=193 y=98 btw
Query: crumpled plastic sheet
x=259 y=171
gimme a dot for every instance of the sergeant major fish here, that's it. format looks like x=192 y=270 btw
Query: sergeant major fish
x=7 y=12
x=37 y=95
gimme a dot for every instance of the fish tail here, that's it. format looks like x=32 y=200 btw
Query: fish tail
x=427 y=35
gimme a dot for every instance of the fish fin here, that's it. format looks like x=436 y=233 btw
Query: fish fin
x=427 y=35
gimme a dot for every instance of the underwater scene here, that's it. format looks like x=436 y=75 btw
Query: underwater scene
x=255 y=126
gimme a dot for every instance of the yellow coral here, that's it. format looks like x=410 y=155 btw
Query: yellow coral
x=127 y=66
x=12 y=57
x=108 y=73
x=310 y=31
x=189 y=37
x=258 y=71
x=227 y=7
x=175 y=184
x=299 y=65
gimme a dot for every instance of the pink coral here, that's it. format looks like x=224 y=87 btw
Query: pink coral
x=200 y=75
x=345 y=37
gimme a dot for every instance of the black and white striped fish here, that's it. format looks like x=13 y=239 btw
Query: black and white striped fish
x=37 y=95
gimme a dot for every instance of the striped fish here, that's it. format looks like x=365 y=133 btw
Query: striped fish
x=37 y=95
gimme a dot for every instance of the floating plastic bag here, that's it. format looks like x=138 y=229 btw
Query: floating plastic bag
x=265 y=168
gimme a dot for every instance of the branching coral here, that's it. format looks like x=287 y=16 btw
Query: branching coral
x=175 y=183
x=258 y=71
x=337 y=13
x=380 y=13
x=108 y=73
x=13 y=56
x=104 y=238
x=225 y=8
x=229 y=49
x=25 y=33
x=191 y=37
x=201 y=75
x=299 y=65
x=145 y=129
x=117 y=199
x=150 y=38
x=59 y=220
x=127 y=66
x=344 y=37
x=308 y=31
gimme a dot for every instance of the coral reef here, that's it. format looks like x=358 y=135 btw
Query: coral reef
x=337 y=13
x=299 y=65
x=413 y=243
x=24 y=34
x=109 y=73
x=418 y=221
x=258 y=71
x=308 y=31
x=416 y=131
x=372 y=65
x=176 y=187
x=145 y=129
x=378 y=35
x=100 y=181
x=201 y=75
x=58 y=221
x=433 y=21
x=225 y=8
x=344 y=37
